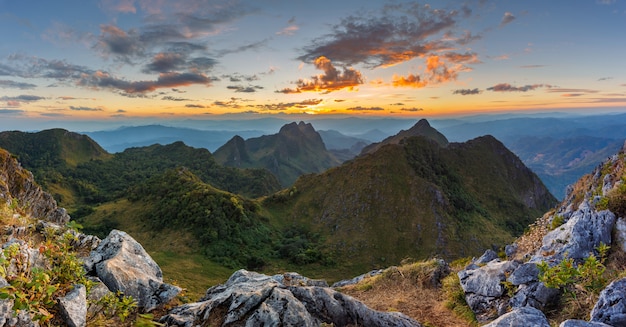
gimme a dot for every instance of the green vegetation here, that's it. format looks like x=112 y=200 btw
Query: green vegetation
x=580 y=283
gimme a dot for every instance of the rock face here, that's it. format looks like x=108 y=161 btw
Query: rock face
x=123 y=265
x=585 y=229
x=253 y=299
x=611 y=306
x=17 y=183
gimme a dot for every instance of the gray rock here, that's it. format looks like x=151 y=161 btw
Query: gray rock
x=7 y=316
x=123 y=265
x=525 y=273
x=74 y=307
x=357 y=279
x=521 y=317
x=582 y=323
x=620 y=233
x=578 y=237
x=611 y=306
x=483 y=287
x=98 y=291
x=488 y=256
x=295 y=279
x=534 y=294
x=510 y=250
x=253 y=299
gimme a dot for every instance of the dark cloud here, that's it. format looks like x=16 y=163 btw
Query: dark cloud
x=85 y=108
x=332 y=79
x=165 y=80
x=6 y=84
x=199 y=106
x=412 y=109
x=396 y=34
x=243 y=48
x=507 y=18
x=120 y=111
x=467 y=91
x=397 y=104
x=244 y=89
x=506 y=87
x=605 y=78
x=119 y=43
x=22 y=98
x=564 y=90
x=359 y=108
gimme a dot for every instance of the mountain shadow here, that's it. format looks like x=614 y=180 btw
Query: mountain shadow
x=297 y=149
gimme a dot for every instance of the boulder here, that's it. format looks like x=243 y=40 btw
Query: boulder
x=611 y=306
x=582 y=323
x=521 y=317
x=488 y=256
x=74 y=306
x=534 y=294
x=123 y=265
x=358 y=279
x=484 y=289
x=585 y=230
x=253 y=299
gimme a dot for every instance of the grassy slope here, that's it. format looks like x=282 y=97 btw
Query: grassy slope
x=378 y=209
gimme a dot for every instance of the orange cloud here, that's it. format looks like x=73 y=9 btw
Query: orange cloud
x=331 y=80
x=409 y=81
x=437 y=71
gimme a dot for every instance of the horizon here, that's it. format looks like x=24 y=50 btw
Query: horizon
x=120 y=61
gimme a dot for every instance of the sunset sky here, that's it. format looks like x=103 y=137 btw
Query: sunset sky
x=123 y=59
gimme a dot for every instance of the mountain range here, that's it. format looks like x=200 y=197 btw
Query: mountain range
x=416 y=195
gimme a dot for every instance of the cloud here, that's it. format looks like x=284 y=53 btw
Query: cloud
x=605 y=78
x=85 y=108
x=412 y=109
x=396 y=34
x=195 y=106
x=165 y=62
x=120 y=111
x=289 y=105
x=10 y=111
x=507 y=18
x=103 y=80
x=22 y=98
x=467 y=91
x=359 y=108
x=331 y=80
x=437 y=70
x=289 y=30
x=6 y=84
x=171 y=98
x=119 y=43
x=506 y=87
x=244 y=89
x=243 y=48
x=563 y=90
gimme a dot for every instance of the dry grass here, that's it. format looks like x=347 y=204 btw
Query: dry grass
x=408 y=289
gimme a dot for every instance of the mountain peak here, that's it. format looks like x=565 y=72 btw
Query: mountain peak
x=421 y=128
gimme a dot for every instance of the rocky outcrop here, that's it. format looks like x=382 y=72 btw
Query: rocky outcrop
x=585 y=229
x=525 y=316
x=123 y=265
x=582 y=323
x=611 y=306
x=484 y=287
x=253 y=299
x=17 y=183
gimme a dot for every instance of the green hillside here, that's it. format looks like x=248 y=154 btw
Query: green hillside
x=297 y=149
x=416 y=199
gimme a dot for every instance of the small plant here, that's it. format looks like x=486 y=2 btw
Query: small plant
x=116 y=304
x=557 y=221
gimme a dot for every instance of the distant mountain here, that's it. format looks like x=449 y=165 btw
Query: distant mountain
x=79 y=172
x=136 y=136
x=343 y=147
x=373 y=135
x=416 y=199
x=559 y=148
x=421 y=128
x=297 y=149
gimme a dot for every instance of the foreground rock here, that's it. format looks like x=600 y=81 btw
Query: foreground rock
x=611 y=306
x=526 y=316
x=123 y=265
x=253 y=299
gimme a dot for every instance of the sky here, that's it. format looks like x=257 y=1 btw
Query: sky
x=133 y=60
